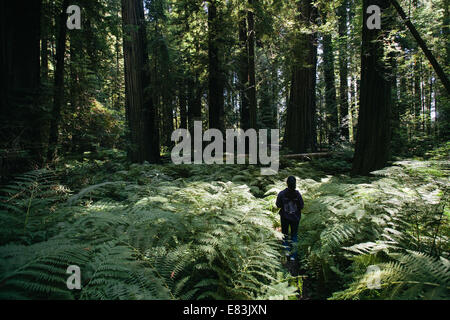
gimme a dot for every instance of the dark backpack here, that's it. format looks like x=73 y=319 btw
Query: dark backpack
x=290 y=207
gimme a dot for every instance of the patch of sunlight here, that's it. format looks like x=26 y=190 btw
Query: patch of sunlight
x=148 y=200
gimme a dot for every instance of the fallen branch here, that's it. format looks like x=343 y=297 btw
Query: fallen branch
x=308 y=155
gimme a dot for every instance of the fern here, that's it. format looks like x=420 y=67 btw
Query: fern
x=172 y=239
x=209 y=232
x=413 y=275
x=27 y=206
x=39 y=270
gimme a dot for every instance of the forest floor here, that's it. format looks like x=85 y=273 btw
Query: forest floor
x=207 y=231
x=295 y=270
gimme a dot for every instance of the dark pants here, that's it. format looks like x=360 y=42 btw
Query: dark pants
x=285 y=224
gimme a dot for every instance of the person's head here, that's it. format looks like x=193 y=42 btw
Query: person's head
x=291 y=183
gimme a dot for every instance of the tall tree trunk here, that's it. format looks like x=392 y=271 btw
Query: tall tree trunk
x=267 y=94
x=251 y=67
x=417 y=95
x=162 y=87
x=168 y=125
x=182 y=103
x=45 y=34
x=74 y=95
x=395 y=105
x=142 y=121
x=428 y=103
x=343 y=69
x=216 y=77
x=374 y=130
x=352 y=109
x=20 y=124
x=167 y=108
x=403 y=102
x=330 y=88
x=118 y=79
x=58 y=94
x=194 y=102
x=243 y=75
x=300 y=133
x=44 y=59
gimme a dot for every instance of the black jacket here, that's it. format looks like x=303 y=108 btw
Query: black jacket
x=284 y=196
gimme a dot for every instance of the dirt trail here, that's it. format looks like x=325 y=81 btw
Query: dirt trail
x=295 y=270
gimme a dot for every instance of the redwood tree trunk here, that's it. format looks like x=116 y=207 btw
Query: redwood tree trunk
x=216 y=76
x=243 y=75
x=417 y=96
x=300 y=133
x=182 y=103
x=343 y=70
x=374 y=129
x=330 y=89
x=58 y=93
x=194 y=102
x=142 y=122
x=251 y=68
x=21 y=115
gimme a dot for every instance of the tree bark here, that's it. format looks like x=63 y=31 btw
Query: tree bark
x=330 y=89
x=243 y=75
x=300 y=133
x=374 y=129
x=343 y=70
x=216 y=79
x=194 y=102
x=182 y=104
x=58 y=94
x=417 y=95
x=251 y=68
x=142 y=118
x=21 y=120
x=45 y=34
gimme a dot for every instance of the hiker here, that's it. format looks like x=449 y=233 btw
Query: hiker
x=290 y=202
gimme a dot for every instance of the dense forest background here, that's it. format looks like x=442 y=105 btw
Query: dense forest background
x=86 y=122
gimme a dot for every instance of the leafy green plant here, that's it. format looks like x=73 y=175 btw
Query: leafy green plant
x=210 y=232
x=168 y=239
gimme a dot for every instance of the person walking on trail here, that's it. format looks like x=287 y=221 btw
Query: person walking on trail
x=290 y=202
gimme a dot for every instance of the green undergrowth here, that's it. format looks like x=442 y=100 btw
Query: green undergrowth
x=210 y=232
